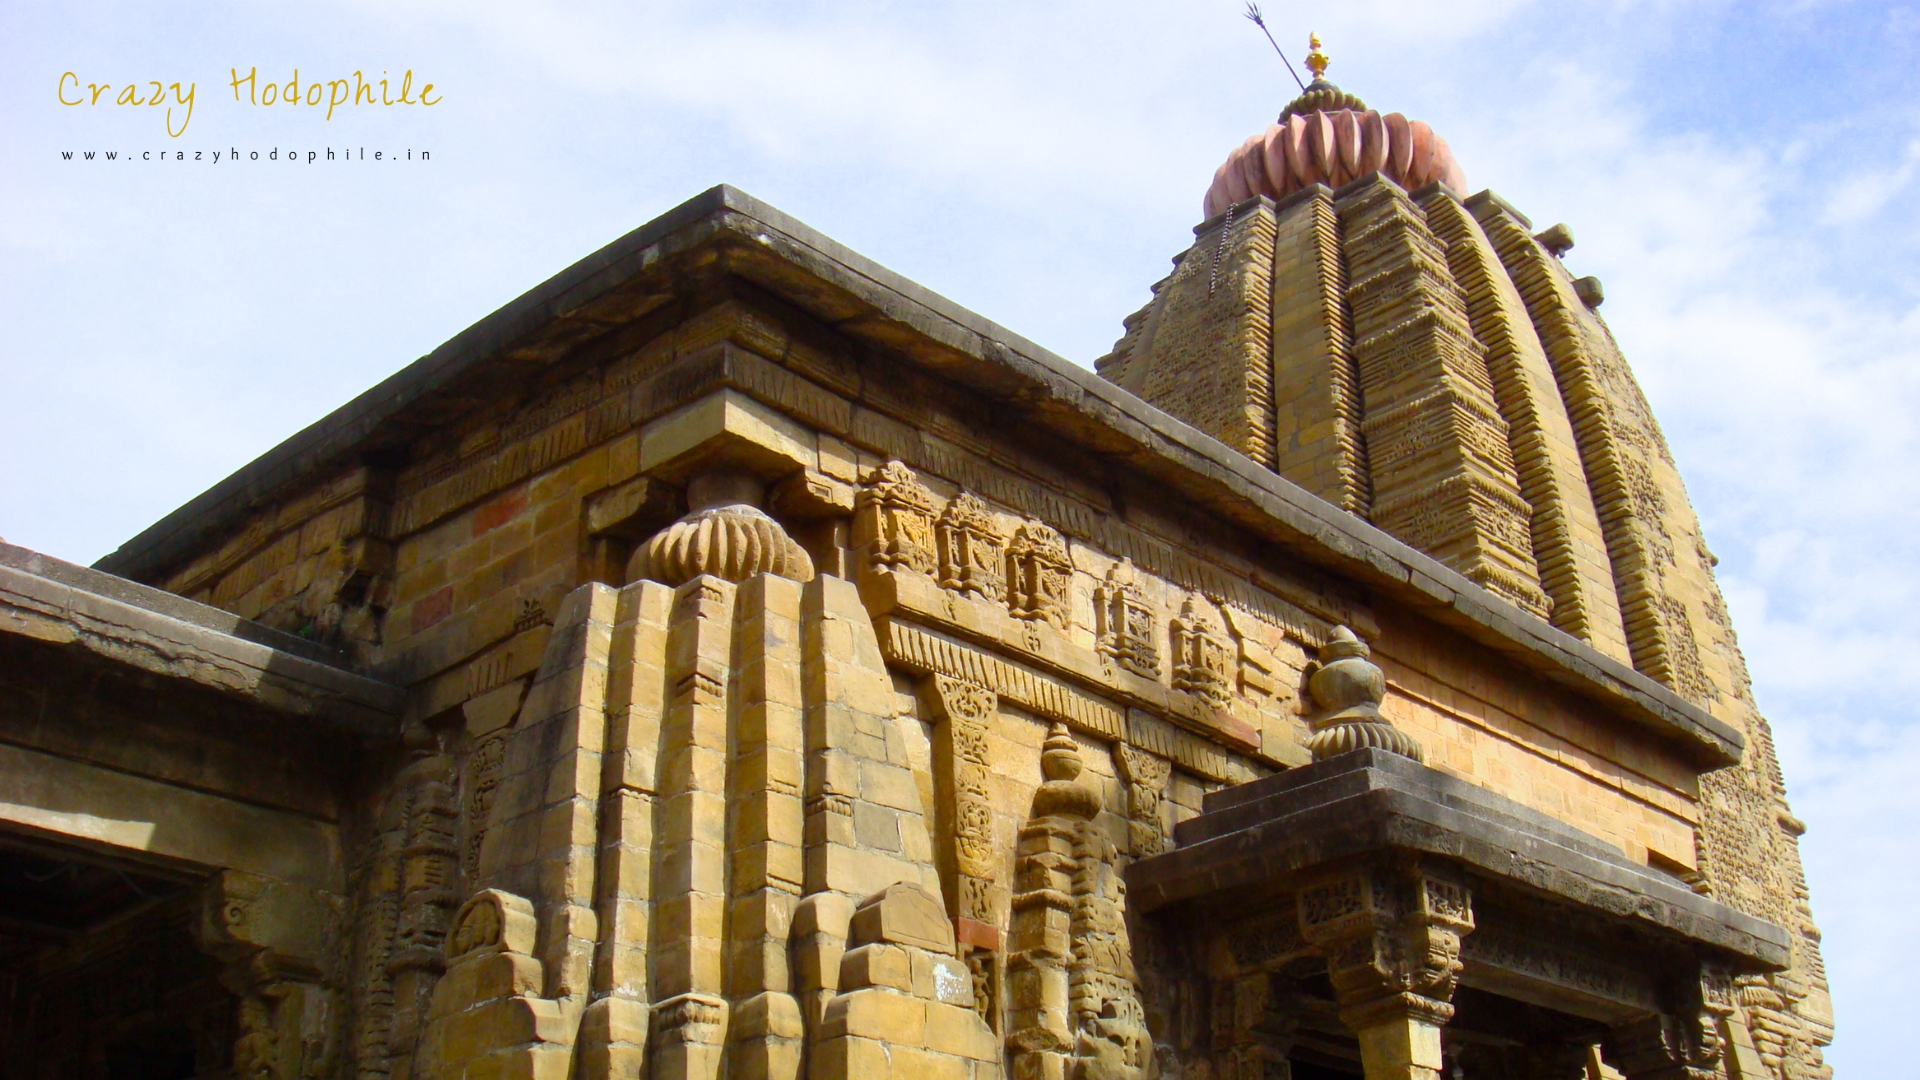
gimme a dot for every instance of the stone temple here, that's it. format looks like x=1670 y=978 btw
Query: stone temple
x=731 y=660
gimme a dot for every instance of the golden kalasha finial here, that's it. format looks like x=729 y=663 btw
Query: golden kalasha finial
x=1316 y=60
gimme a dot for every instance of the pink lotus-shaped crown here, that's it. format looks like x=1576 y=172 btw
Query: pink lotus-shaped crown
x=1328 y=137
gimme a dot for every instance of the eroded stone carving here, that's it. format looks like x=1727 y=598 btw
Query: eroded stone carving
x=1201 y=655
x=968 y=712
x=972 y=554
x=1146 y=777
x=1349 y=688
x=1124 y=626
x=271 y=937
x=893 y=520
x=1075 y=997
x=1038 y=574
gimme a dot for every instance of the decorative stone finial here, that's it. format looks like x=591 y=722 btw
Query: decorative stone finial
x=1348 y=687
x=1316 y=60
x=726 y=535
x=1063 y=793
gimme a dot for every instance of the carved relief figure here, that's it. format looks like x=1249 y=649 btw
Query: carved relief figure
x=1201 y=664
x=1038 y=574
x=1123 y=623
x=893 y=519
x=972 y=555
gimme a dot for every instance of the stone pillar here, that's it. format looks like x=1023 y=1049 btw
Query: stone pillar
x=963 y=713
x=1253 y=1029
x=1391 y=936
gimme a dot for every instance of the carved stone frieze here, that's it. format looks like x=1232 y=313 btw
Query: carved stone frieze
x=1202 y=658
x=1038 y=575
x=1124 y=625
x=1505 y=952
x=893 y=521
x=972 y=552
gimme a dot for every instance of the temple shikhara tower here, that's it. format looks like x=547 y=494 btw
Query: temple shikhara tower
x=731 y=661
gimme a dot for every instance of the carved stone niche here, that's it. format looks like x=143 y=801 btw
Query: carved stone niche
x=893 y=522
x=1039 y=575
x=1125 y=627
x=972 y=552
x=1202 y=659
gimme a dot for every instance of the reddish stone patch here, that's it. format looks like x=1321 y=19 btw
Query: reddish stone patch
x=432 y=608
x=499 y=511
x=978 y=934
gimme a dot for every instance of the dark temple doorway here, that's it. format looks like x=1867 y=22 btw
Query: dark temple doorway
x=100 y=974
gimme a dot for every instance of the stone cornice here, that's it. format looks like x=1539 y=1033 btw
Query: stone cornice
x=161 y=634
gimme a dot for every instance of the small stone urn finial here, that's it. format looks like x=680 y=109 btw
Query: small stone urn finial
x=1348 y=687
x=1063 y=793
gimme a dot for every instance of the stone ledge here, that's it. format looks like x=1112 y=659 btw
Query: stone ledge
x=1369 y=801
x=165 y=635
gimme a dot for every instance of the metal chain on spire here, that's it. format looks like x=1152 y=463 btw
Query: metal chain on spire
x=1213 y=275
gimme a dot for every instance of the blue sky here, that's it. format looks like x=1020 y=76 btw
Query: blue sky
x=1742 y=176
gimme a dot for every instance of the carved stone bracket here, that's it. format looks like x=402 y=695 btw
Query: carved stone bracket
x=1683 y=1044
x=1391 y=937
x=273 y=937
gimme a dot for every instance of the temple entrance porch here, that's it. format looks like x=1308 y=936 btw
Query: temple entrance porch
x=1368 y=915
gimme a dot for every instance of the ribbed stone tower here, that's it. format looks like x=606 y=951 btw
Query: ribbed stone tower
x=1351 y=319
